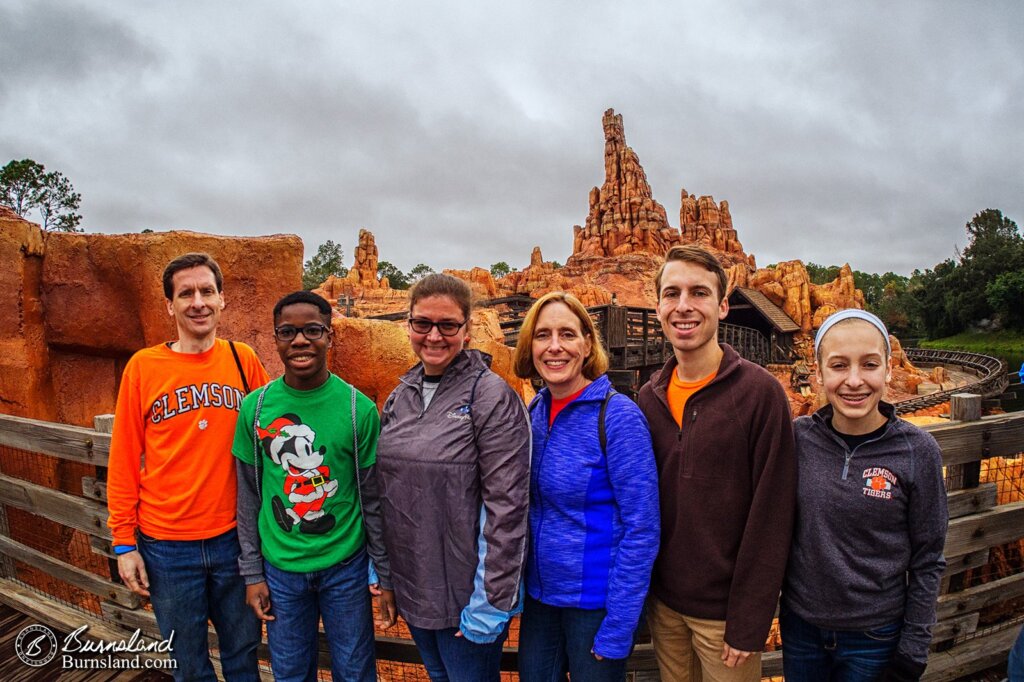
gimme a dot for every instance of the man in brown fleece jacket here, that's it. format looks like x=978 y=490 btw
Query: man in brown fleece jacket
x=723 y=440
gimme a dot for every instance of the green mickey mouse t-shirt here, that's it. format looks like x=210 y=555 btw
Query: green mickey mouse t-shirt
x=309 y=516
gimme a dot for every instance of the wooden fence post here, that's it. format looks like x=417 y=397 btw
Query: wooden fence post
x=966 y=407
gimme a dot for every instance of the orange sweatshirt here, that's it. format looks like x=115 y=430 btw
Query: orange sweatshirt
x=171 y=473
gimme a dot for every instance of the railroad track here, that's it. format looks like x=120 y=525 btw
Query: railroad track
x=992 y=376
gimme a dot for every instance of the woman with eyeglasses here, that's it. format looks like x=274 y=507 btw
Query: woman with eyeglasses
x=454 y=466
x=594 y=519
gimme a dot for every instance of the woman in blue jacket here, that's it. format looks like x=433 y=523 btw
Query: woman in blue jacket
x=594 y=520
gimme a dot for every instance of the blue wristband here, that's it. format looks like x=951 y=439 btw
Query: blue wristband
x=124 y=549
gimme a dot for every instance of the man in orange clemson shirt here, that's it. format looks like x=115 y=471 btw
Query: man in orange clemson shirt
x=171 y=490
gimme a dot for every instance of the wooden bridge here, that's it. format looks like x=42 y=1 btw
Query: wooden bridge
x=57 y=567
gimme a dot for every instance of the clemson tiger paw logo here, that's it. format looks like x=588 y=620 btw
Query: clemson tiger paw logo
x=879 y=482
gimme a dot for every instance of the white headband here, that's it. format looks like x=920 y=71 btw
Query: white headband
x=851 y=314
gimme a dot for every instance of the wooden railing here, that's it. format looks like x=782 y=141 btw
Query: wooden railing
x=963 y=643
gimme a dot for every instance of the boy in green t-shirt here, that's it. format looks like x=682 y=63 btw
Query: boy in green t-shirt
x=306 y=517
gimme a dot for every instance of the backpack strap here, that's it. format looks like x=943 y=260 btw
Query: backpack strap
x=256 y=440
x=355 y=454
x=601 y=435
x=238 y=363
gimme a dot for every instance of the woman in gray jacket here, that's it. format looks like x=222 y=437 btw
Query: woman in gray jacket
x=858 y=601
x=454 y=465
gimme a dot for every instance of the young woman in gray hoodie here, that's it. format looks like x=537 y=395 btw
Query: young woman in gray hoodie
x=859 y=597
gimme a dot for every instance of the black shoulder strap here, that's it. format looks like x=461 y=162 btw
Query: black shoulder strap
x=600 y=422
x=245 y=383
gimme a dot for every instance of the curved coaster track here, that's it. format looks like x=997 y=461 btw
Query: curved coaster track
x=991 y=372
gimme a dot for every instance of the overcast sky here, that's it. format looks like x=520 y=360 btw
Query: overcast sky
x=464 y=133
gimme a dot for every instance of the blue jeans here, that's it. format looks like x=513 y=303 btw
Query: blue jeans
x=298 y=601
x=448 y=658
x=812 y=654
x=190 y=582
x=553 y=640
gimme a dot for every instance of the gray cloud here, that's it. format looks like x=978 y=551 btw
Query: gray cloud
x=464 y=134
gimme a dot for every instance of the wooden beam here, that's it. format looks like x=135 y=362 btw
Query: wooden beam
x=975 y=654
x=102 y=547
x=90 y=582
x=94 y=490
x=77 y=512
x=74 y=443
x=955 y=627
x=976 y=598
x=958 y=564
x=972 y=500
x=997 y=526
x=1000 y=435
x=60 y=616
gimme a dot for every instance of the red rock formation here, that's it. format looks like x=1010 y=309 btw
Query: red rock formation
x=25 y=386
x=788 y=286
x=364 y=294
x=363 y=272
x=624 y=217
x=480 y=281
x=836 y=295
x=86 y=302
x=703 y=222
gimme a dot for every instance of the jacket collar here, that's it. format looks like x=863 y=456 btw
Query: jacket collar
x=730 y=361
x=595 y=390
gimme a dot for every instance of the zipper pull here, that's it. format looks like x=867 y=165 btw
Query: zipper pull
x=846 y=465
x=694 y=419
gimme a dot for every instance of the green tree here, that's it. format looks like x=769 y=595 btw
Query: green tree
x=396 y=278
x=934 y=290
x=419 y=272
x=822 y=274
x=996 y=247
x=26 y=186
x=326 y=262
x=58 y=204
x=500 y=269
x=1006 y=296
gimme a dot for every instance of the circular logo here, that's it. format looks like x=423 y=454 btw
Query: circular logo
x=36 y=645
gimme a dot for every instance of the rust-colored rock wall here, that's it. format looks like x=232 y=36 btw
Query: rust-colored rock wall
x=25 y=386
x=123 y=272
x=83 y=303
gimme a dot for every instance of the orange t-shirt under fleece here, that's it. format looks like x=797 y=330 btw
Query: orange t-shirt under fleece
x=171 y=473
x=679 y=392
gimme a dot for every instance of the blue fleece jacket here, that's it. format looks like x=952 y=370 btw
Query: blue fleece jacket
x=594 y=519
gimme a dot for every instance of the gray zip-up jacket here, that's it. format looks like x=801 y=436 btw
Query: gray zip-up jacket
x=455 y=480
x=870 y=528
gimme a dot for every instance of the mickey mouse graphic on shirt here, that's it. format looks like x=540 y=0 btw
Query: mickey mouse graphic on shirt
x=307 y=480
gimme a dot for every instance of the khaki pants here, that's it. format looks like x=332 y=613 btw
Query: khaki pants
x=690 y=649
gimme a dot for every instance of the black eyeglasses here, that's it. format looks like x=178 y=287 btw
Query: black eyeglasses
x=422 y=325
x=311 y=331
